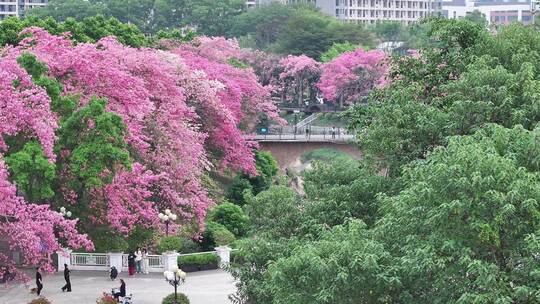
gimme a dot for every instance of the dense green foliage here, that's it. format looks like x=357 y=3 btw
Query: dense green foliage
x=444 y=209
x=168 y=243
x=295 y=29
x=215 y=235
x=210 y=16
x=232 y=217
x=89 y=29
x=267 y=168
x=32 y=172
x=180 y=297
x=338 y=49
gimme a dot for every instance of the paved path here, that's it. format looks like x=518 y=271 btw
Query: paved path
x=205 y=287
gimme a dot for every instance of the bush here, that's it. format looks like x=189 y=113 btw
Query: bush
x=188 y=245
x=106 y=240
x=236 y=191
x=169 y=243
x=232 y=217
x=40 y=301
x=182 y=299
x=216 y=235
x=198 y=259
x=106 y=299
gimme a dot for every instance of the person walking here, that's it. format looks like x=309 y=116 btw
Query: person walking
x=39 y=281
x=66 y=287
x=131 y=263
x=138 y=260
x=307 y=131
x=122 y=292
x=114 y=273
x=146 y=262
x=333 y=132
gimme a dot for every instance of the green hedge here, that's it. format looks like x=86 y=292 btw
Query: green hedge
x=198 y=259
x=182 y=299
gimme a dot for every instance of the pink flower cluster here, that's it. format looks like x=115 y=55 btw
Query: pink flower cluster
x=352 y=75
x=185 y=109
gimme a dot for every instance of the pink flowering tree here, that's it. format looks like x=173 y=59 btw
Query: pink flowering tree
x=352 y=75
x=133 y=131
x=298 y=78
x=35 y=231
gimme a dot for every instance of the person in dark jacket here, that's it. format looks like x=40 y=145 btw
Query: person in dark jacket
x=66 y=287
x=114 y=273
x=39 y=281
x=131 y=263
x=122 y=292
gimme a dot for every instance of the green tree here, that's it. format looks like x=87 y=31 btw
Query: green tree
x=232 y=217
x=33 y=173
x=344 y=266
x=388 y=30
x=212 y=17
x=307 y=34
x=337 y=191
x=61 y=10
x=215 y=235
x=264 y=23
x=465 y=227
x=476 y=16
x=338 y=49
x=239 y=187
x=275 y=212
x=267 y=168
x=89 y=29
x=95 y=138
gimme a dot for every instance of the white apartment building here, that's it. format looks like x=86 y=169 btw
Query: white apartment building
x=495 y=11
x=18 y=7
x=371 y=11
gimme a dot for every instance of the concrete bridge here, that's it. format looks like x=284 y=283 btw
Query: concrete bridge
x=289 y=148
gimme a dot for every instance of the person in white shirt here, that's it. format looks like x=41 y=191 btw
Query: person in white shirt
x=146 y=264
x=138 y=260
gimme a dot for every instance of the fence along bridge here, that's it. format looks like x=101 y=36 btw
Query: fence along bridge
x=304 y=134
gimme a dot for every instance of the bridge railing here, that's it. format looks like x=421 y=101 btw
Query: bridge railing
x=310 y=133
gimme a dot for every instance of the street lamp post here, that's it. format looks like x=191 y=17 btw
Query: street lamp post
x=175 y=277
x=167 y=218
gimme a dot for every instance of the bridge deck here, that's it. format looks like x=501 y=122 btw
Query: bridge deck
x=338 y=139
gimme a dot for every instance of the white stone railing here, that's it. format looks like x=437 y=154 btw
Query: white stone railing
x=155 y=262
x=89 y=261
x=103 y=261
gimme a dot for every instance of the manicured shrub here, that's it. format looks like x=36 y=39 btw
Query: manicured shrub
x=232 y=217
x=169 y=243
x=198 y=259
x=181 y=299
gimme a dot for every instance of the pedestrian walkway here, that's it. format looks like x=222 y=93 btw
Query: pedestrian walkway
x=205 y=287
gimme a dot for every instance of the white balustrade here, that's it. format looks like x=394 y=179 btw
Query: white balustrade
x=89 y=261
x=103 y=261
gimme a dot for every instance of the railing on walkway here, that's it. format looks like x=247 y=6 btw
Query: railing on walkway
x=103 y=261
x=311 y=133
x=155 y=262
x=90 y=261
